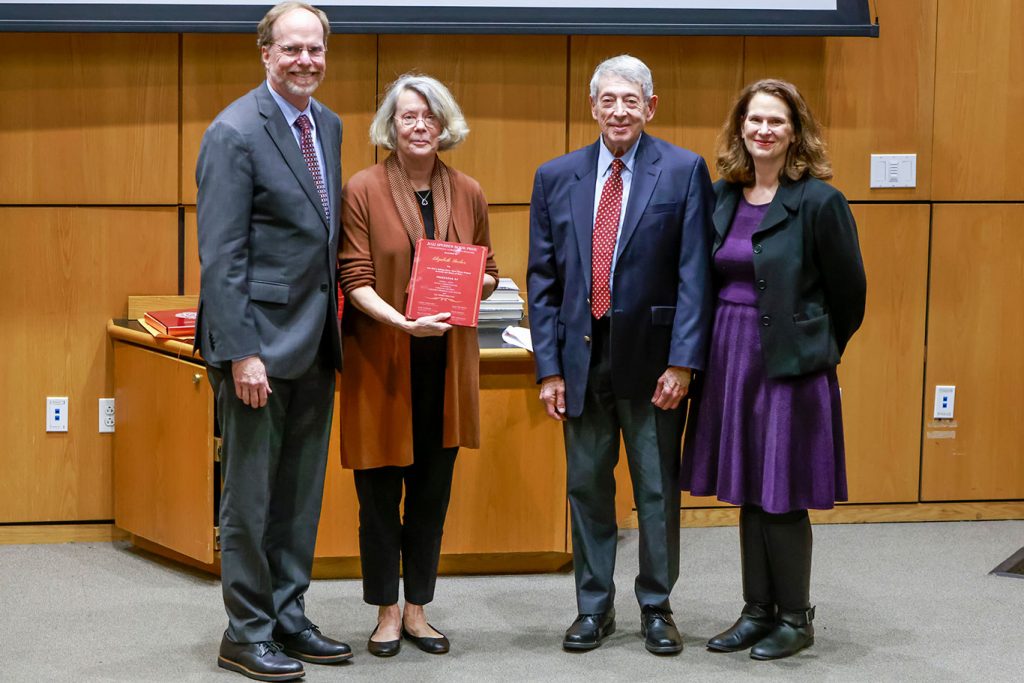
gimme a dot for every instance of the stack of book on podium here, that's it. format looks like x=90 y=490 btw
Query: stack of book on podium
x=176 y=323
x=503 y=307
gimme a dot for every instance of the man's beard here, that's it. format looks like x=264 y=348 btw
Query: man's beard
x=303 y=90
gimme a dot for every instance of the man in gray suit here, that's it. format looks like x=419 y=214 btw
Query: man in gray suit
x=269 y=177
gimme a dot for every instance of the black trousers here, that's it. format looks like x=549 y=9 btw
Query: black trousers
x=389 y=537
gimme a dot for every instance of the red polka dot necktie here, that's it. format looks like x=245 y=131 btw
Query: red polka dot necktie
x=606 y=227
x=309 y=154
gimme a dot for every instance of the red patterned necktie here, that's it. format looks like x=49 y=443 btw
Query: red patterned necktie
x=606 y=227
x=309 y=154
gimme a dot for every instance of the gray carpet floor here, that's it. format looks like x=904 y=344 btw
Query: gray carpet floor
x=895 y=602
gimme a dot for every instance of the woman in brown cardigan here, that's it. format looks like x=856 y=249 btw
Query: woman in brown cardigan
x=409 y=391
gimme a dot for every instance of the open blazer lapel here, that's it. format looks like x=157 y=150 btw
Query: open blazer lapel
x=284 y=139
x=645 y=176
x=581 y=200
x=331 y=147
x=724 y=210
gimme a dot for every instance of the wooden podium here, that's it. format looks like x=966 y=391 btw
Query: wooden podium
x=508 y=511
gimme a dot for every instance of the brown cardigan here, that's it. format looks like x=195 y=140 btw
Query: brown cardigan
x=376 y=410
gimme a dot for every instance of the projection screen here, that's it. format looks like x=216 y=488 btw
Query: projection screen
x=642 y=17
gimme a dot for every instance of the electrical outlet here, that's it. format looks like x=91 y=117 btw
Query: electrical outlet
x=56 y=413
x=106 y=415
x=944 y=398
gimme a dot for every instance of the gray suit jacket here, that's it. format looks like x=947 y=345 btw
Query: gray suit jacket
x=267 y=249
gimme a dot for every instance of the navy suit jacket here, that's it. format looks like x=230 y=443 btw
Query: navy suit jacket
x=661 y=289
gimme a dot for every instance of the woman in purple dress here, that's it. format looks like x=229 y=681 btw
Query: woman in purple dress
x=766 y=429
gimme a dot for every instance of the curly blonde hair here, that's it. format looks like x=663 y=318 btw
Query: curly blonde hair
x=807 y=155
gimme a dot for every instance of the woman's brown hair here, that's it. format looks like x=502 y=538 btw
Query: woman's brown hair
x=806 y=156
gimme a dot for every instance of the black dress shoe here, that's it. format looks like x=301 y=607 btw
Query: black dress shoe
x=259 y=661
x=383 y=648
x=587 y=632
x=312 y=646
x=792 y=633
x=659 y=631
x=755 y=622
x=435 y=646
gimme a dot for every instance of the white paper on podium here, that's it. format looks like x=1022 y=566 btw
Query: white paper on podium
x=518 y=336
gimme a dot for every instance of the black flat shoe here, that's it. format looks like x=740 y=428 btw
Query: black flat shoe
x=792 y=633
x=755 y=622
x=383 y=648
x=312 y=646
x=258 y=661
x=589 y=630
x=434 y=646
x=661 y=637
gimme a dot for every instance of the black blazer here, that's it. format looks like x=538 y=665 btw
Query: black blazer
x=808 y=274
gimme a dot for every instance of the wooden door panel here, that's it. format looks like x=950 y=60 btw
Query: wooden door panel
x=163 y=451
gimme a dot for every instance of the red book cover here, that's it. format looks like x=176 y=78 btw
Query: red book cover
x=446 y=278
x=178 y=322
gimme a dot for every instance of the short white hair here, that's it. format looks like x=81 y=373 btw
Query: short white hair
x=628 y=68
x=442 y=105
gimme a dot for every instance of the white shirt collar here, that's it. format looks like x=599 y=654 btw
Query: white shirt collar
x=605 y=156
x=290 y=111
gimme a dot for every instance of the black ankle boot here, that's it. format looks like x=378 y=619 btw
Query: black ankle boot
x=792 y=633
x=756 y=621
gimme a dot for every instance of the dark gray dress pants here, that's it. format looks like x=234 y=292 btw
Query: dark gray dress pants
x=273 y=463
x=653 y=439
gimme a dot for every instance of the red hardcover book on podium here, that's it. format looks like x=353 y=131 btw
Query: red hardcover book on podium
x=446 y=278
x=176 y=323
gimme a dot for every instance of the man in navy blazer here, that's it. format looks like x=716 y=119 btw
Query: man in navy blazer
x=269 y=179
x=621 y=367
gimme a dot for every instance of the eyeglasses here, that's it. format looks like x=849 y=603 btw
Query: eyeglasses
x=410 y=121
x=314 y=51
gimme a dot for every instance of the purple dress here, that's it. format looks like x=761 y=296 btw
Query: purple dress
x=776 y=443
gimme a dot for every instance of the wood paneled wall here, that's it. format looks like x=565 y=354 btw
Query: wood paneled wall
x=66 y=270
x=974 y=330
x=979 y=96
x=103 y=131
x=883 y=367
x=89 y=119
